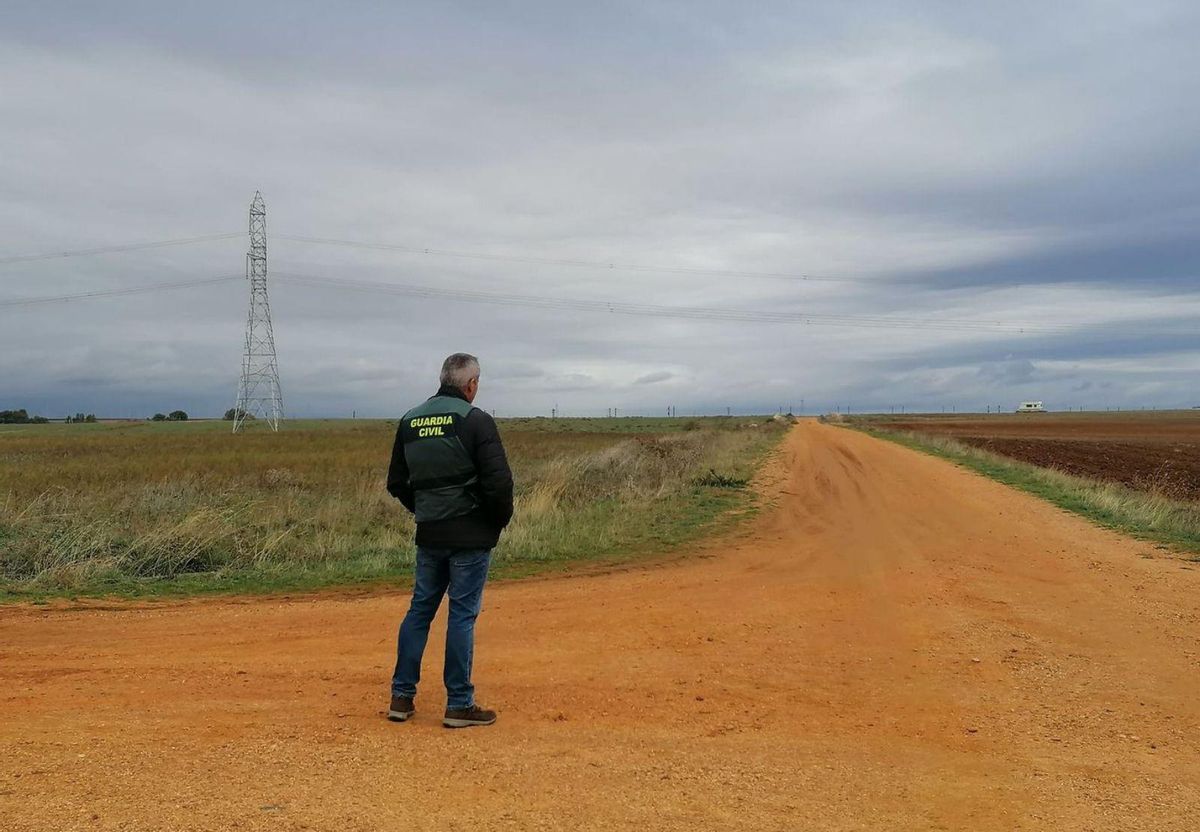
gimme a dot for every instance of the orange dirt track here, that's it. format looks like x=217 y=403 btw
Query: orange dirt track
x=895 y=644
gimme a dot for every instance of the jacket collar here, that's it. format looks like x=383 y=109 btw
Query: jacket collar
x=453 y=392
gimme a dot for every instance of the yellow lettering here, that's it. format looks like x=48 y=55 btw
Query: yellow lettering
x=430 y=421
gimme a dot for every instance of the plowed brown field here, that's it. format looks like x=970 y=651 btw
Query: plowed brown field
x=1157 y=452
x=897 y=644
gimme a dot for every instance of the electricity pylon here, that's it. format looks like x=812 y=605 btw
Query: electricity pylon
x=258 y=393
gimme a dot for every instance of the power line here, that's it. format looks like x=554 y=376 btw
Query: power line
x=611 y=307
x=661 y=311
x=591 y=264
x=87 y=252
x=132 y=290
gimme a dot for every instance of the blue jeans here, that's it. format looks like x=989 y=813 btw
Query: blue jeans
x=463 y=572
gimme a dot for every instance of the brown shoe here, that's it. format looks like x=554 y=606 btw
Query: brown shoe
x=401 y=709
x=466 y=717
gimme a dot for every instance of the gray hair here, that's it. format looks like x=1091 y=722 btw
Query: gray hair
x=459 y=369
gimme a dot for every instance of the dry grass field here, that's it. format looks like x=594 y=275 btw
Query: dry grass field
x=150 y=508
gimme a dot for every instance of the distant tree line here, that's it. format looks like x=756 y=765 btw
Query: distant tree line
x=81 y=417
x=20 y=417
x=237 y=413
x=173 y=416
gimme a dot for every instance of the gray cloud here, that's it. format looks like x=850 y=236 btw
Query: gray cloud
x=1022 y=163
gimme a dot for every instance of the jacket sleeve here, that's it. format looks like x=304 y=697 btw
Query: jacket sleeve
x=397 y=478
x=495 y=477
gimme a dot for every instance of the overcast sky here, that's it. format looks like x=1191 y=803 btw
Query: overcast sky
x=1019 y=164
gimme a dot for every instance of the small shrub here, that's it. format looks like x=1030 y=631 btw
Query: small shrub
x=712 y=479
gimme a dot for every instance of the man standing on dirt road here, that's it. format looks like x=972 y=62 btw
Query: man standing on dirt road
x=449 y=469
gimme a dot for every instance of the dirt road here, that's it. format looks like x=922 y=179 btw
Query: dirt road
x=896 y=644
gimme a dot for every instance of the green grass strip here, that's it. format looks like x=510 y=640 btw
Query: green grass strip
x=1139 y=514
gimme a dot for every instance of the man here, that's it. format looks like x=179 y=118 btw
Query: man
x=449 y=469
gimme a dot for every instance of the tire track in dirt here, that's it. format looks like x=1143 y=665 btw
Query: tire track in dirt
x=894 y=644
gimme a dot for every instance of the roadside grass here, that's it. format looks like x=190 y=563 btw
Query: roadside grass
x=1141 y=514
x=633 y=424
x=139 y=509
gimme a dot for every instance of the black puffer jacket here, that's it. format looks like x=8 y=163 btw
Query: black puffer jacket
x=480 y=529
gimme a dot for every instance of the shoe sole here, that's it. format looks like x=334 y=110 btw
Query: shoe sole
x=466 y=723
x=399 y=716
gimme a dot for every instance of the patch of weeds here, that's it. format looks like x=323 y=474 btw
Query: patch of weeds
x=713 y=479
